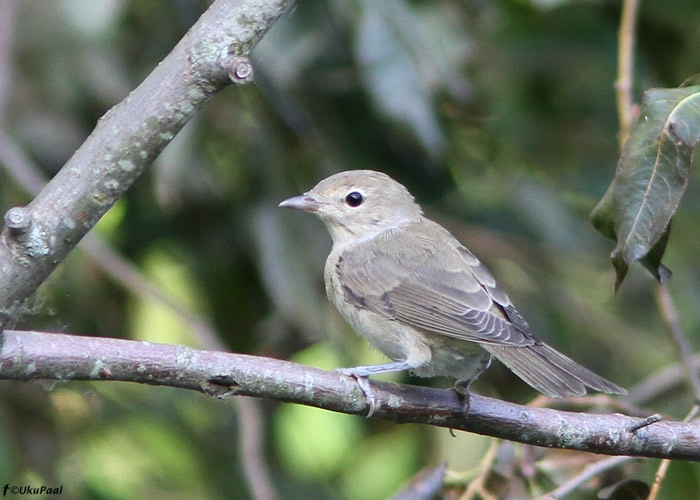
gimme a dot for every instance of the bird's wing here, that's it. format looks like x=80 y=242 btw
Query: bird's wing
x=442 y=290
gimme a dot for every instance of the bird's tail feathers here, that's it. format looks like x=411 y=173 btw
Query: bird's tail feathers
x=550 y=372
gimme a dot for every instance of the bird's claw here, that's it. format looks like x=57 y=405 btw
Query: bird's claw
x=363 y=383
x=461 y=388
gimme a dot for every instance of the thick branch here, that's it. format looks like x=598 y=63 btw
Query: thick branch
x=33 y=355
x=127 y=138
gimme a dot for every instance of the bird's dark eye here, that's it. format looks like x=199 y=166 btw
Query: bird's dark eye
x=354 y=199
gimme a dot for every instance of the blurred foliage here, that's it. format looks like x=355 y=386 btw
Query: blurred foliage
x=498 y=115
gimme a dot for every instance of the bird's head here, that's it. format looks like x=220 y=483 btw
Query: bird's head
x=358 y=205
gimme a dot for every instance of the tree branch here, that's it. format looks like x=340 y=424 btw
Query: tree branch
x=625 y=67
x=212 y=55
x=678 y=337
x=35 y=355
x=28 y=176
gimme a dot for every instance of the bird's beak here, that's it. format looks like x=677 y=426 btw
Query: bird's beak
x=305 y=202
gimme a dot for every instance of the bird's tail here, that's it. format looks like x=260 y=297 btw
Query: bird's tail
x=550 y=372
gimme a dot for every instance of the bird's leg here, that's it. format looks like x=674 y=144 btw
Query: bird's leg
x=361 y=374
x=461 y=388
x=478 y=365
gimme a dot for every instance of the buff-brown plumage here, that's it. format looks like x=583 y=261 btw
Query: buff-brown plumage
x=422 y=298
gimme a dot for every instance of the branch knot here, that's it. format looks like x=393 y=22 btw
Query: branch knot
x=240 y=69
x=17 y=220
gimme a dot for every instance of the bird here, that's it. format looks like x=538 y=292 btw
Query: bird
x=419 y=296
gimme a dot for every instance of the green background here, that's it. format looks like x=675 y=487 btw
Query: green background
x=500 y=118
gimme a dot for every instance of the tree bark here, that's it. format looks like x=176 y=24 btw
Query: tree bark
x=34 y=355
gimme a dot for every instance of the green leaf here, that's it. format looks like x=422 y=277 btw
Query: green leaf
x=602 y=216
x=650 y=180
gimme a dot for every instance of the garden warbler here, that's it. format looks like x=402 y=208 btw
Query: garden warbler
x=419 y=296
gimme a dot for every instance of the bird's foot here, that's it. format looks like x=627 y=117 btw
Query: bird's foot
x=461 y=388
x=363 y=382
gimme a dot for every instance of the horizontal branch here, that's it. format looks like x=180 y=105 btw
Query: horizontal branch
x=35 y=355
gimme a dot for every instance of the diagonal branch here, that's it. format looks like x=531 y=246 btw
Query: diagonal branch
x=678 y=337
x=34 y=355
x=127 y=138
x=27 y=175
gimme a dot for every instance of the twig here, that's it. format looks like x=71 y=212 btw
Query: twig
x=661 y=382
x=24 y=172
x=126 y=274
x=50 y=356
x=587 y=474
x=665 y=464
x=425 y=485
x=668 y=311
x=252 y=449
x=644 y=422
x=658 y=479
x=625 y=67
x=478 y=484
x=8 y=8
